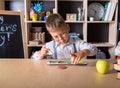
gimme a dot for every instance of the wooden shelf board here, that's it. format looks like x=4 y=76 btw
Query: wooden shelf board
x=70 y=0
x=99 y=0
x=35 y=45
x=35 y=21
x=43 y=0
x=75 y=21
x=105 y=44
x=100 y=21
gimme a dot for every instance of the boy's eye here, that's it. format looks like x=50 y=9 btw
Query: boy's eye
x=55 y=36
x=60 y=35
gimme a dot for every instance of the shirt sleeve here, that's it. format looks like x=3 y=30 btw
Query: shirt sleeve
x=84 y=45
x=117 y=49
x=35 y=56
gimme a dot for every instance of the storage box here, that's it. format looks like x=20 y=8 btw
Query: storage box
x=34 y=42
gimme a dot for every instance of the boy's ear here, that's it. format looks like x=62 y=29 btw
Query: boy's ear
x=68 y=27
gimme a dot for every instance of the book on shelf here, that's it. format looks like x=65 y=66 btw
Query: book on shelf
x=108 y=11
x=112 y=11
x=105 y=9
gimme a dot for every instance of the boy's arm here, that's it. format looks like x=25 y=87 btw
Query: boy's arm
x=40 y=54
x=93 y=50
x=85 y=52
x=89 y=47
x=36 y=55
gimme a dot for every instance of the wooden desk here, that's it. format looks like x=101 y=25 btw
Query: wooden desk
x=28 y=73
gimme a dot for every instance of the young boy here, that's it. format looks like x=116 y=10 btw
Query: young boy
x=63 y=46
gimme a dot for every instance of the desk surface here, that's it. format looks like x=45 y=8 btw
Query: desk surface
x=28 y=73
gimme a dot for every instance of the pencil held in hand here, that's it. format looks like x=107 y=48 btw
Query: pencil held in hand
x=50 y=52
x=46 y=50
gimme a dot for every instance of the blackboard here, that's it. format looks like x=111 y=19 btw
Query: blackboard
x=11 y=35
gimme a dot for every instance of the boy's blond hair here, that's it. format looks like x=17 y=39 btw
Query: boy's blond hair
x=55 y=21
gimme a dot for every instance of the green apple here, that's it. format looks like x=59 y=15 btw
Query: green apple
x=102 y=66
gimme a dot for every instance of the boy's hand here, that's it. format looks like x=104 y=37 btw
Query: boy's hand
x=43 y=51
x=76 y=57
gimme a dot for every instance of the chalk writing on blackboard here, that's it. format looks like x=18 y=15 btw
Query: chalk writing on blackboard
x=1 y=19
x=6 y=30
x=11 y=34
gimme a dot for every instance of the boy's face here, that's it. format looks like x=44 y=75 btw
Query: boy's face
x=61 y=35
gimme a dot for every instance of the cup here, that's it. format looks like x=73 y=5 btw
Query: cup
x=34 y=17
x=91 y=19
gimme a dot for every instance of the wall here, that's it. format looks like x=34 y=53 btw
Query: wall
x=14 y=5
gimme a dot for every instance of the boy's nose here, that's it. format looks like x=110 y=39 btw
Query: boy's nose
x=60 y=37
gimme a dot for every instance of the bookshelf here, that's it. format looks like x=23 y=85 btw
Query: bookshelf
x=2 y=5
x=102 y=34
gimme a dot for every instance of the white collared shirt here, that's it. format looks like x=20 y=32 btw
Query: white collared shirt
x=65 y=50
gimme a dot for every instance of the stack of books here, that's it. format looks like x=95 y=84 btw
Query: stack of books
x=118 y=75
x=117 y=67
x=109 y=11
